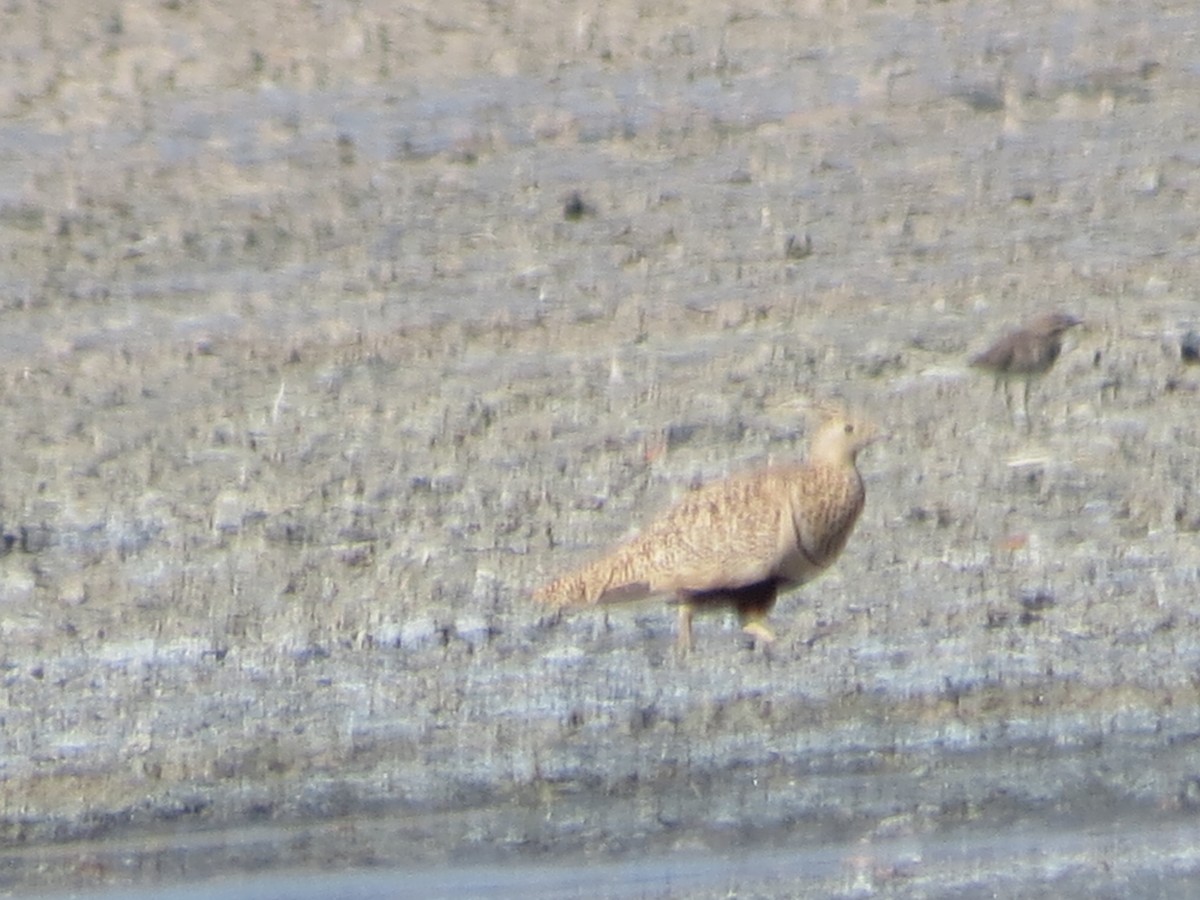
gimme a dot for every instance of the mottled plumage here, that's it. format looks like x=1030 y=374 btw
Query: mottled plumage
x=1026 y=352
x=738 y=542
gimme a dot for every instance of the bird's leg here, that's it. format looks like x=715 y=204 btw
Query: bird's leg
x=686 y=614
x=753 y=603
x=753 y=617
x=1003 y=385
x=1028 y=421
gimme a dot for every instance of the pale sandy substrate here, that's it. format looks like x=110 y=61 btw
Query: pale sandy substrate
x=308 y=379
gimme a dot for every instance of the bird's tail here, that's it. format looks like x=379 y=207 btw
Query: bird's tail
x=609 y=580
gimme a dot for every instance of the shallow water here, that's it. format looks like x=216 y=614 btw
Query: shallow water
x=1130 y=858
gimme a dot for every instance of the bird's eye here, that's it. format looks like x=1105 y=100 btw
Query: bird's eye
x=849 y=428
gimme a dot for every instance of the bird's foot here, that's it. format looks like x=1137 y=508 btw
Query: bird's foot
x=760 y=635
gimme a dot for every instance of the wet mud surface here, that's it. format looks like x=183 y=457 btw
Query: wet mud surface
x=319 y=355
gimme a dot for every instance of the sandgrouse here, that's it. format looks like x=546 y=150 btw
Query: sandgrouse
x=740 y=541
x=1026 y=353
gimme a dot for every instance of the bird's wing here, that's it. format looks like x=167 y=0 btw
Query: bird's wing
x=726 y=534
x=997 y=356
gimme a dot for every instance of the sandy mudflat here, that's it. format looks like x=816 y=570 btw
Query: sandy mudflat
x=308 y=377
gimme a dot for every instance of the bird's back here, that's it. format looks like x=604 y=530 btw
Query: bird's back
x=725 y=534
x=1020 y=353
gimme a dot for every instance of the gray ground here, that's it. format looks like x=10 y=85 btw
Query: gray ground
x=308 y=380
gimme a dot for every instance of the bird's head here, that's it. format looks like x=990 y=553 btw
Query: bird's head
x=1055 y=323
x=840 y=436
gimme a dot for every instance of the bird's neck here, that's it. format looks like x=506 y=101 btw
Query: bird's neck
x=831 y=458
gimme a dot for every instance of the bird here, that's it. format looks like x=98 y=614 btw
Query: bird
x=1026 y=353
x=738 y=542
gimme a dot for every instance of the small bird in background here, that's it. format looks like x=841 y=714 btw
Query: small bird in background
x=1026 y=354
x=738 y=542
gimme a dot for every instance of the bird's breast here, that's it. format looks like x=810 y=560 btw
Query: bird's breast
x=797 y=567
x=823 y=512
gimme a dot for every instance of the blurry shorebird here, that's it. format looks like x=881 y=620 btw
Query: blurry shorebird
x=740 y=541
x=1026 y=353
